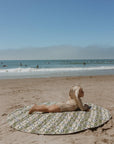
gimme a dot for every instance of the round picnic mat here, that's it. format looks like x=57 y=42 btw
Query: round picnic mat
x=57 y=123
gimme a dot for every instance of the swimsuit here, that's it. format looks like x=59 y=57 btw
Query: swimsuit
x=70 y=105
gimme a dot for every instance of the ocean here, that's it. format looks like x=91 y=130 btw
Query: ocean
x=13 y=69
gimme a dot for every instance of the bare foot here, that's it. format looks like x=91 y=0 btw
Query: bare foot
x=32 y=109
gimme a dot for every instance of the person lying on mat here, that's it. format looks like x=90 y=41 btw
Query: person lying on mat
x=74 y=102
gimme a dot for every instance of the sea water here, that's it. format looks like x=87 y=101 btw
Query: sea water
x=55 y=68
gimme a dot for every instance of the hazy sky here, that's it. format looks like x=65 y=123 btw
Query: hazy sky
x=44 y=25
x=59 y=52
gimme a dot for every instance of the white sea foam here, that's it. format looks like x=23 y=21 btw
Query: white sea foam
x=28 y=70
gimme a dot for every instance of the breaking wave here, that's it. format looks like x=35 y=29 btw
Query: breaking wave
x=29 y=70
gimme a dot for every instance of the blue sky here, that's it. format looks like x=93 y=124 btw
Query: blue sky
x=45 y=23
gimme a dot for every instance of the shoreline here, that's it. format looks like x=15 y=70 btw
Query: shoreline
x=59 y=77
x=55 y=68
x=16 y=93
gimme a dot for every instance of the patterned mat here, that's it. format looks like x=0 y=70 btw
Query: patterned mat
x=57 y=123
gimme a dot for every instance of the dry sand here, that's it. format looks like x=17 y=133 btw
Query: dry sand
x=17 y=93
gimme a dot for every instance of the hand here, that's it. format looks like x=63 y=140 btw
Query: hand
x=86 y=107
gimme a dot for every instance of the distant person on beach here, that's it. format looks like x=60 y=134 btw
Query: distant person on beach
x=74 y=102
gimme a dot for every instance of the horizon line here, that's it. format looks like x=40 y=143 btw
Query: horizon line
x=60 y=59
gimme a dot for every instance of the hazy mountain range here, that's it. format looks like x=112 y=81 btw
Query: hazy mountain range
x=58 y=52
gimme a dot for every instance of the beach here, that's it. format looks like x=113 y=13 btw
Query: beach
x=16 y=93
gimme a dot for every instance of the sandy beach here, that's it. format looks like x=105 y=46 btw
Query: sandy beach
x=16 y=93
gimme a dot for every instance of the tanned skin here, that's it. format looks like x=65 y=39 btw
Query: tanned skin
x=54 y=107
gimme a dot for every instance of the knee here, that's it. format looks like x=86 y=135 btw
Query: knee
x=51 y=109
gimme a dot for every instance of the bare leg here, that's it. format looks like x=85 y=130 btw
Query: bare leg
x=44 y=108
x=41 y=108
